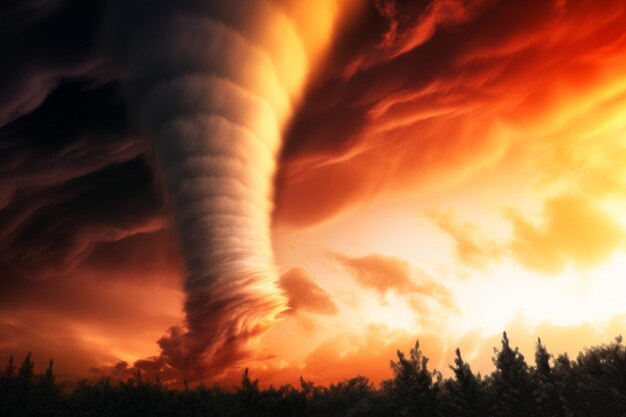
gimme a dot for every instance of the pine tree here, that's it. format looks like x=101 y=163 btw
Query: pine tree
x=10 y=369
x=25 y=374
x=512 y=388
x=463 y=396
x=48 y=378
x=546 y=393
x=601 y=371
x=568 y=384
x=411 y=388
x=249 y=394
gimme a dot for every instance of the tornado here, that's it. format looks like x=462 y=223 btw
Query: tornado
x=212 y=85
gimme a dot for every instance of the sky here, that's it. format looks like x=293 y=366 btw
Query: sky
x=448 y=169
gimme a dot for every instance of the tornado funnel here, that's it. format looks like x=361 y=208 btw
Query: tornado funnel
x=213 y=85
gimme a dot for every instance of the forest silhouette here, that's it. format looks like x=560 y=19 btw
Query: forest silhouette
x=593 y=384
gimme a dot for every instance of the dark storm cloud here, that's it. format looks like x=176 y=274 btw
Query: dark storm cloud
x=151 y=257
x=65 y=140
x=79 y=129
x=105 y=206
x=41 y=43
x=71 y=178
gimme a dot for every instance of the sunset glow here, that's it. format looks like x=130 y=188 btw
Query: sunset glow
x=440 y=170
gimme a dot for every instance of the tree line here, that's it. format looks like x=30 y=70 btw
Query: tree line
x=593 y=384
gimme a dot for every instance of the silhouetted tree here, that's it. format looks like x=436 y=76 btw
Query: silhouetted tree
x=353 y=397
x=10 y=369
x=462 y=396
x=26 y=372
x=567 y=382
x=593 y=385
x=546 y=393
x=411 y=390
x=249 y=395
x=596 y=381
x=511 y=386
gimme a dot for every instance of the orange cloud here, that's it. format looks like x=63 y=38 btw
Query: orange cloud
x=574 y=230
x=381 y=273
x=453 y=92
x=471 y=246
x=386 y=273
x=304 y=294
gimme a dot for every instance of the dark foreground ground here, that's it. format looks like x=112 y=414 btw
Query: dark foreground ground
x=593 y=384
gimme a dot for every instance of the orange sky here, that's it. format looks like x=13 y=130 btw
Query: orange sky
x=483 y=188
x=454 y=170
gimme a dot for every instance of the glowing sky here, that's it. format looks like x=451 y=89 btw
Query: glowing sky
x=455 y=169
